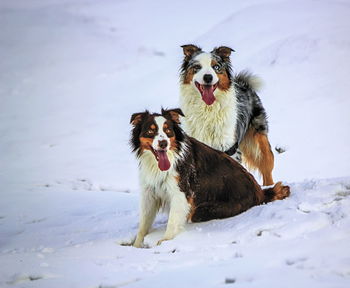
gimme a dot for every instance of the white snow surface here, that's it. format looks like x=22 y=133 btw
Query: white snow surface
x=72 y=73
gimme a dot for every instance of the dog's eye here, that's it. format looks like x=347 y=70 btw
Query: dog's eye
x=150 y=132
x=197 y=67
x=167 y=131
x=217 y=68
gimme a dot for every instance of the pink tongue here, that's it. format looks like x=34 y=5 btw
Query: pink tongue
x=163 y=162
x=208 y=94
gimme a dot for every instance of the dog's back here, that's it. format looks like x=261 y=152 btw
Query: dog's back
x=219 y=187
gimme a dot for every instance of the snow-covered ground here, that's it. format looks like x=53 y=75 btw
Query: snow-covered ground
x=72 y=73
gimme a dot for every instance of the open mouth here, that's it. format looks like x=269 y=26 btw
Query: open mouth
x=162 y=159
x=207 y=92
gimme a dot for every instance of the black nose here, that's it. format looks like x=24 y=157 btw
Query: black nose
x=208 y=78
x=162 y=144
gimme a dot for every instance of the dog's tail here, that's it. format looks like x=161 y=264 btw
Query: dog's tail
x=248 y=81
x=277 y=192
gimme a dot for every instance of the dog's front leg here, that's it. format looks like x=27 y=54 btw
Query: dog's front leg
x=148 y=211
x=179 y=209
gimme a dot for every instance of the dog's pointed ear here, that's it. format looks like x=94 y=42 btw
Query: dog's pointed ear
x=136 y=118
x=190 y=49
x=223 y=51
x=173 y=114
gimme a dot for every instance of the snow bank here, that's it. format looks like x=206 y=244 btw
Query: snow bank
x=72 y=73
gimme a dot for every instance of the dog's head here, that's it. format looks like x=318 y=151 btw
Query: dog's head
x=207 y=71
x=158 y=134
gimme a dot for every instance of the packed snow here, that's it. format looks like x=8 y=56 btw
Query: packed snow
x=72 y=73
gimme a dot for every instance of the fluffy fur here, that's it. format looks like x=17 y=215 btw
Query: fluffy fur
x=200 y=184
x=223 y=110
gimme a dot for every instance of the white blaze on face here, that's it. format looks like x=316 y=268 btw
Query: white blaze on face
x=205 y=59
x=161 y=152
x=160 y=120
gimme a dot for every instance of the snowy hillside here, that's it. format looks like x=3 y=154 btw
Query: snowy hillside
x=72 y=73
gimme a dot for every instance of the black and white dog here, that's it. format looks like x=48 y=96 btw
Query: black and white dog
x=190 y=180
x=223 y=110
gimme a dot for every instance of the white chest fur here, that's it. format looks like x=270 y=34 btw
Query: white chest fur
x=215 y=124
x=162 y=184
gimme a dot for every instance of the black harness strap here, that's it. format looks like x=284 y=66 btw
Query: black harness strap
x=232 y=150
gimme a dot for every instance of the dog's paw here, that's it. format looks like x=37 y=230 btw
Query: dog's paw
x=125 y=242
x=137 y=245
x=162 y=240
x=166 y=237
x=141 y=245
x=281 y=191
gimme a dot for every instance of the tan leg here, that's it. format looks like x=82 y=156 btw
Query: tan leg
x=257 y=154
x=148 y=211
x=179 y=210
